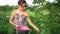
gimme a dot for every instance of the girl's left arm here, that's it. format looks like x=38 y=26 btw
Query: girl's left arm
x=31 y=24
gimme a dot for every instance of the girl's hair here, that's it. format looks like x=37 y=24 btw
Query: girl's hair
x=20 y=2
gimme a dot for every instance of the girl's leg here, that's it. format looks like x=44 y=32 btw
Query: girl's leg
x=23 y=31
x=20 y=31
x=26 y=31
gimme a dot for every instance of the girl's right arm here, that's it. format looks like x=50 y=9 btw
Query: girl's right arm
x=11 y=19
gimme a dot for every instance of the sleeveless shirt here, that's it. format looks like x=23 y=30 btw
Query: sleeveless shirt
x=20 y=19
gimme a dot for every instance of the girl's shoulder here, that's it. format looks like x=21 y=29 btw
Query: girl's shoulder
x=26 y=13
x=14 y=11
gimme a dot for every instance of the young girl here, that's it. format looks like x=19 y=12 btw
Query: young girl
x=18 y=19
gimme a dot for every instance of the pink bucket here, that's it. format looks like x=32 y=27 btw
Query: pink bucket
x=23 y=27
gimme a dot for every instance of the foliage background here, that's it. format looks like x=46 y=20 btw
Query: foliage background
x=45 y=16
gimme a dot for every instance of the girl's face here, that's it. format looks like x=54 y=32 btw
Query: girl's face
x=23 y=6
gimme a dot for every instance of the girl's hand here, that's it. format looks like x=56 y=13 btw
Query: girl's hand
x=38 y=31
x=16 y=26
x=29 y=29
